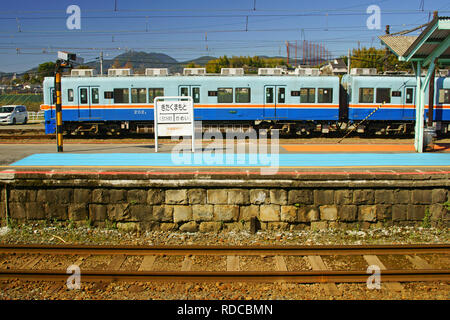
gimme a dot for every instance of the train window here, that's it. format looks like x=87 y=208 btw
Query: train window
x=307 y=95
x=269 y=95
x=444 y=95
x=53 y=95
x=196 y=94
x=281 y=95
x=94 y=95
x=153 y=93
x=242 y=95
x=108 y=94
x=212 y=93
x=409 y=95
x=366 y=95
x=325 y=95
x=225 y=95
x=138 y=95
x=184 y=92
x=83 y=95
x=295 y=93
x=383 y=95
x=122 y=95
x=70 y=95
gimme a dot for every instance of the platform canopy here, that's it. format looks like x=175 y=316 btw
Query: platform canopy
x=431 y=47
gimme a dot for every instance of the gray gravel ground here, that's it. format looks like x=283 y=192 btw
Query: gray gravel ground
x=58 y=233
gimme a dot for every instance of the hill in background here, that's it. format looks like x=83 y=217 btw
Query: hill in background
x=139 y=60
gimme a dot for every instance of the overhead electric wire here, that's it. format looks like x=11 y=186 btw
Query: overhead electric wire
x=321 y=13
x=123 y=39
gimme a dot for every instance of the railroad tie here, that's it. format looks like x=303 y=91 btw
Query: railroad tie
x=54 y=288
x=232 y=263
x=116 y=262
x=187 y=264
x=390 y=285
x=30 y=264
x=318 y=264
x=147 y=263
x=81 y=259
x=418 y=262
x=280 y=265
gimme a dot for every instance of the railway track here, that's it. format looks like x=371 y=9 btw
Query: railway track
x=226 y=250
x=421 y=271
x=27 y=137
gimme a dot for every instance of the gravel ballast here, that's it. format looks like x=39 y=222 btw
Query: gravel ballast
x=61 y=234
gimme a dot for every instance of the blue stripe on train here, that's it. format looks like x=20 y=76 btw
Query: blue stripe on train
x=201 y=114
x=395 y=114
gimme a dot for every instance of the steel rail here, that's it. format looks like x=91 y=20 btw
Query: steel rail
x=291 y=250
x=244 y=276
x=23 y=137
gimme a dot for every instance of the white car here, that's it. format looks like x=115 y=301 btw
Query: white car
x=13 y=114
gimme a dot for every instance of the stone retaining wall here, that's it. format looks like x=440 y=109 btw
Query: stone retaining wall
x=152 y=205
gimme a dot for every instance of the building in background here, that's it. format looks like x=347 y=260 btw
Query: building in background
x=335 y=67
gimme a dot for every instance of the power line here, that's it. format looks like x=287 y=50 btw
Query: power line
x=153 y=32
x=320 y=13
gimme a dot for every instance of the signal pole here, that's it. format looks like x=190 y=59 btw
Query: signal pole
x=64 y=62
x=59 y=129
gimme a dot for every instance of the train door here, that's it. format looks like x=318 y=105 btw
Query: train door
x=52 y=103
x=190 y=91
x=274 y=96
x=88 y=98
x=409 y=103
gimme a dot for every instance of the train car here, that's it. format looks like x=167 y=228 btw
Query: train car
x=388 y=103
x=111 y=104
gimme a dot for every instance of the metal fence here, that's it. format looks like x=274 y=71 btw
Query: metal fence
x=32 y=115
x=20 y=98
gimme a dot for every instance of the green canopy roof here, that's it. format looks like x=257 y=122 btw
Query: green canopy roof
x=433 y=43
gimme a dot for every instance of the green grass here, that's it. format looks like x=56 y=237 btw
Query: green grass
x=426 y=222
x=31 y=101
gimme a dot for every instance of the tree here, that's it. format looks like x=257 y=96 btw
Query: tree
x=376 y=58
x=26 y=77
x=116 y=64
x=128 y=65
x=46 y=69
x=249 y=64
x=192 y=65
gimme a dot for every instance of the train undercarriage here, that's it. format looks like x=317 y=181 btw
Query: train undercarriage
x=286 y=128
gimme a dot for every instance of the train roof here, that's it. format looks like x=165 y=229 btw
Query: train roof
x=196 y=78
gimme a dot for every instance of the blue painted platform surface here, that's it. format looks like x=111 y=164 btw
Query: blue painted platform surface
x=235 y=160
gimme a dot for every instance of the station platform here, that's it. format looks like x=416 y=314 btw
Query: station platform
x=209 y=192
x=189 y=160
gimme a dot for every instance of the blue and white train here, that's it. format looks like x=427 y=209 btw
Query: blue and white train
x=295 y=104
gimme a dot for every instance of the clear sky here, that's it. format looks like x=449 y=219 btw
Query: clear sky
x=31 y=31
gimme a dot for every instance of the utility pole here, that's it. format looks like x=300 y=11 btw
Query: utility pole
x=348 y=62
x=101 y=63
x=386 y=51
